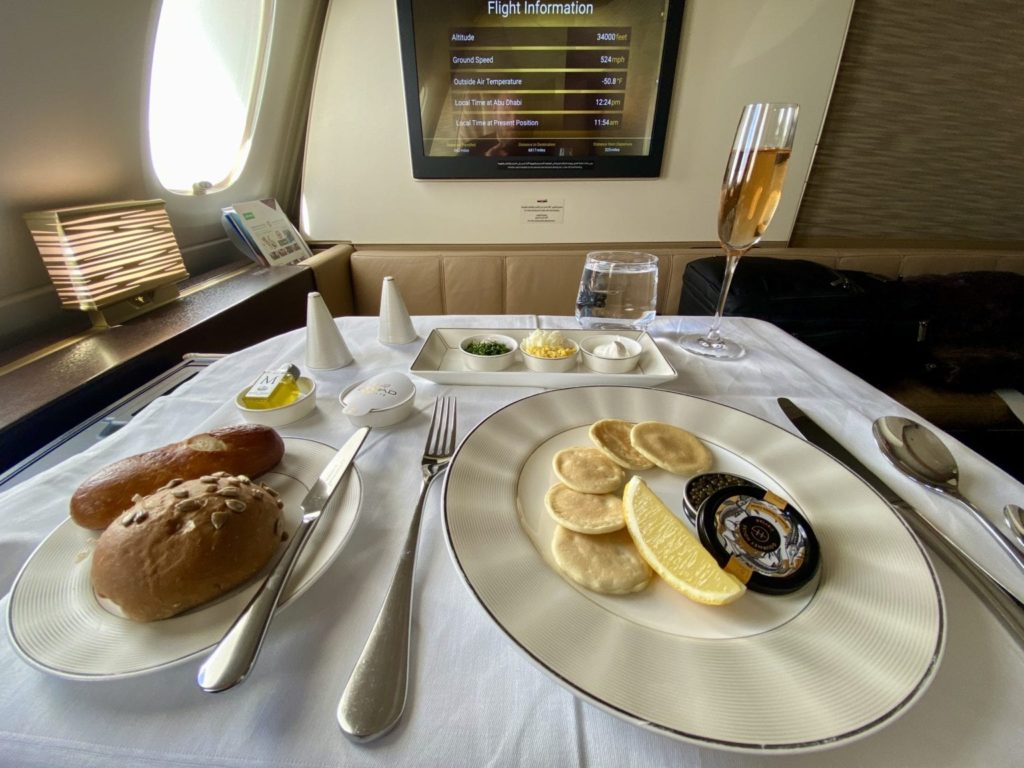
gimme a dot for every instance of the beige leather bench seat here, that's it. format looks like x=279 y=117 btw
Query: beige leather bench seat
x=544 y=279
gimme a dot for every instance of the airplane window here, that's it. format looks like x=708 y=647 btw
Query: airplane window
x=205 y=87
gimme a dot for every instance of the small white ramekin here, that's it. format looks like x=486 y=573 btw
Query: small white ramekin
x=488 y=363
x=601 y=364
x=551 y=364
x=285 y=414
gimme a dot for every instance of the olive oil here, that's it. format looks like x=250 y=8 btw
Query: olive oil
x=274 y=389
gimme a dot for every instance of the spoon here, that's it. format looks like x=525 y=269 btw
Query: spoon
x=1015 y=519
x=922 y=456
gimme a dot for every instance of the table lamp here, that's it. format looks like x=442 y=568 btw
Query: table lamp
x=114 y=261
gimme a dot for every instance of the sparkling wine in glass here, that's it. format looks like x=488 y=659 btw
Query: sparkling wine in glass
x=751 y=190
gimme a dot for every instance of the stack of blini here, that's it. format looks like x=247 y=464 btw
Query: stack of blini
x=591 y=545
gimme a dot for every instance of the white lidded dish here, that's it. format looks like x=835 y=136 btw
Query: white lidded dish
x=284 y=414
x=379 y=401
x=489 y=363
x=611 y=353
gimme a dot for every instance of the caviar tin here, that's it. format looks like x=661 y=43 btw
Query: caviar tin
x=759 y=537
x=700 y=487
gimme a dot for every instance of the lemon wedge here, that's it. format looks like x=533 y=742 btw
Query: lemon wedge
x=672 y=551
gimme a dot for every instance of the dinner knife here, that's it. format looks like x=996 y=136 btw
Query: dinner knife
x=1007 y=608
x=235 y=655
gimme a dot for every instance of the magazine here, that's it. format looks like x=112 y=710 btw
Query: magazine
x=262 y=232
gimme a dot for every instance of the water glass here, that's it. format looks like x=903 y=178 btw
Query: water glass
x=618 y=290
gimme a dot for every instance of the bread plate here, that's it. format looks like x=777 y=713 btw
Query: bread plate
x=57 y=625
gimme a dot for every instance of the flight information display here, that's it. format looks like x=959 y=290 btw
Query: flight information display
x=519 y=89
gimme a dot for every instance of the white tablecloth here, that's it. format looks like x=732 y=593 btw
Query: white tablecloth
x=474 y=699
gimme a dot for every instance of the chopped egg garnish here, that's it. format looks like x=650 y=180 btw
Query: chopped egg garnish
x=549 y=344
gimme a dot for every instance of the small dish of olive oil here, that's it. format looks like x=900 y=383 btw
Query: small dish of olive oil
x=277 y=397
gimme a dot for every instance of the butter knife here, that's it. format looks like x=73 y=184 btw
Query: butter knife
x=235 y=655
x=1006 y=607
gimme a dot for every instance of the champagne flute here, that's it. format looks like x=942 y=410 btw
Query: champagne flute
x=750 y=194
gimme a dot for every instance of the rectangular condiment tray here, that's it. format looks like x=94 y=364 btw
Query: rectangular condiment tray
x=440 y=360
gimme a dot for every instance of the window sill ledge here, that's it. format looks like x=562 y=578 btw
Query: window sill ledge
x=50 y=390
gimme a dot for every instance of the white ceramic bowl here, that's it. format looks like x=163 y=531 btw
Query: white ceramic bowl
x=488 y=362
x=551 y=364
x=286 y=414
x=604 y=364
x=392 y=411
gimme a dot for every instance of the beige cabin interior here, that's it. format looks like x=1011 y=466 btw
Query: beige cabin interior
x=906 y=164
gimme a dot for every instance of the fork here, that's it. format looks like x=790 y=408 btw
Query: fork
x=374 y=697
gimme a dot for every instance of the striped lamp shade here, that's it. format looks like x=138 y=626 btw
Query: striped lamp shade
x=100 y=255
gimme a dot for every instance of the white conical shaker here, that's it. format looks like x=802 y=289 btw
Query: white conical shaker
x=395 y=323
x=325 y=346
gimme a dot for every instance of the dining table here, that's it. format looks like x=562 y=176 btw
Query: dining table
x=476 y=696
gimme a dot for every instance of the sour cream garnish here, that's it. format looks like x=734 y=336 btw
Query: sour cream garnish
x=613 y=349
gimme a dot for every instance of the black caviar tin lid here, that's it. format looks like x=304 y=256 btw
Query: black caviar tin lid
x=759 y=537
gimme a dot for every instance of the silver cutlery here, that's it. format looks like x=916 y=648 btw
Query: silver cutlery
x=1006 y=607
x=919 y=454
x=235 y=655
x=374 y=697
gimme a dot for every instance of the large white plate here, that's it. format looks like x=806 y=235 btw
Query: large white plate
x=440 y=360
x=831 y=663
x=57 y=625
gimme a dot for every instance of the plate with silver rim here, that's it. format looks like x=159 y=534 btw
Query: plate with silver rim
x=57 y=624
x=828 y=664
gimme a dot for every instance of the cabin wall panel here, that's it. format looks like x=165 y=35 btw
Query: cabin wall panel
x=923 y=136
x=74 y=79
x=72 y=115
x=358 y=182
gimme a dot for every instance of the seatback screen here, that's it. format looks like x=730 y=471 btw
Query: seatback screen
x=518 y=89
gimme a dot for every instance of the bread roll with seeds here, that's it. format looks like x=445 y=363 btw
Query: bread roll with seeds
x=186 y=544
